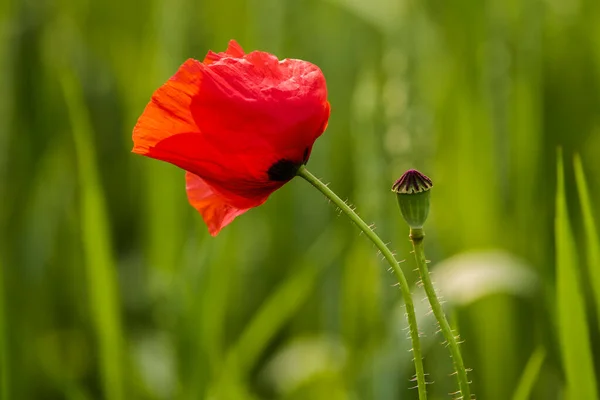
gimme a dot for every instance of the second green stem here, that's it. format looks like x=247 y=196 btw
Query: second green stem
x=417 y=236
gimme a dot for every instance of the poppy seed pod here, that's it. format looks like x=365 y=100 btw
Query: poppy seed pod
x=413 y=192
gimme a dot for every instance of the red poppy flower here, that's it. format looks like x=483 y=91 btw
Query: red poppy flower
x=239 y=124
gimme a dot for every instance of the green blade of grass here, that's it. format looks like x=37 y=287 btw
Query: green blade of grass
x=592 y=239
x=281 y=305
x=571 y=319
x=6 y=110
x=530 y=374
x=4 y=364
x=95 y=237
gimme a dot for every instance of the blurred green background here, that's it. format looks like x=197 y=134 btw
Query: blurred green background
x=111 y=287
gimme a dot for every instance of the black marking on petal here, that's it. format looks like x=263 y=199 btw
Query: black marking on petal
x=305 y=156
x=283 y=170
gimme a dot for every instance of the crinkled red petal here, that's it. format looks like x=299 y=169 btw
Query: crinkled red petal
x=228 y=120
x=233 y=50
x=169 y=112
x=216 y=210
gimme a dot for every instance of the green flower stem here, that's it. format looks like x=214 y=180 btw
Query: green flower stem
x=410 y=309
x=416 y=237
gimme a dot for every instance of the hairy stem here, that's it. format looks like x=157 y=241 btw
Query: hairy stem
x=389 y=256
x=416 y=237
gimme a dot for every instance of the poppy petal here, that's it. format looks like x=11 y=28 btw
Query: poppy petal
x=169 y=111
x=259 y=91
x=228 y=173
x=260 y=104
x=216 y=210
x=239 y=124
x=233 y=50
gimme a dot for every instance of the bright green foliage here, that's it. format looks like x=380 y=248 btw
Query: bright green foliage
x=572 y=321
x=592 y=239
x=97 y=252
x=112 y=288
x=530 y=374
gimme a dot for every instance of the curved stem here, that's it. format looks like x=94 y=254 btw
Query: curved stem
x=410 y=309
x=416 y=237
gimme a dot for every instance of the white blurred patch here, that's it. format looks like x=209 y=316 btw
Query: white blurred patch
x=154 y=356
x=302 y=360
x=384 y=14
x=467 y=277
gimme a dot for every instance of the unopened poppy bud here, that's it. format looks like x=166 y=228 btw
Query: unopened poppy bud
x=412 y=192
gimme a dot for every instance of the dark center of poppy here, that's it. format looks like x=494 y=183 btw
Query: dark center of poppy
x=283 y=170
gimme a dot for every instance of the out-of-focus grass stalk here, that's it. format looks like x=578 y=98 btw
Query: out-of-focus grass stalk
x=391 y=259
x=416 y=237
x=530 y=374
x=4 y=364
x=573 y=330
x=6 y=102
x=283 y=302
x=6 y=83
x=592 y=239
x=278 y=308
x=95 y=237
